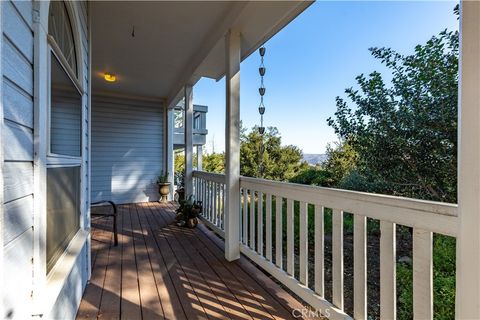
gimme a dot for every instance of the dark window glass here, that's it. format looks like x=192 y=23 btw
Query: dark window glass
x=65 y=113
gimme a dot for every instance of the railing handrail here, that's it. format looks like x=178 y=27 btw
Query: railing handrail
x=215 y=177
x=438 y=217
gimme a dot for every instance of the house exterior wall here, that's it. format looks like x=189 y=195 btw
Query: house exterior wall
x=127 y=149
x=26 y=290
x=17 y=138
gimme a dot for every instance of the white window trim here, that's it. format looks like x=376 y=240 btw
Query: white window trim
x=60 y=272
x=48 y=287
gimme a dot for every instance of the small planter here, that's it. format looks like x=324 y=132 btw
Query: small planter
x=187 y=213
x=164 y=190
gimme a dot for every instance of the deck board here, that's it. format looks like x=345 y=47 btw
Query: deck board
x=160 y=270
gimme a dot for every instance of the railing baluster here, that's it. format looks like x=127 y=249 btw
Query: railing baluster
x=422 y=274
x=252 y=219
x=195 y=189
x=206 y=201
x=359 y=267
x=223 y=207
x=290 y=239
x=198 y=189
x=268 y=227
x=219 y=206
x=260 y=224
x=214 y=204
x=278 y=232
x=319 y=247
x=203 y=196
x=337 y=257
x=245 y=217
x=210 y=201
x=388 y=295
x=304 y=243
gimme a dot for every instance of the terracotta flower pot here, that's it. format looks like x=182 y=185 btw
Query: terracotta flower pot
x=192 y=223
x=164 y=190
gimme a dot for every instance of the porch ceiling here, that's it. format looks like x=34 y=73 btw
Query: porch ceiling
x=175 y=42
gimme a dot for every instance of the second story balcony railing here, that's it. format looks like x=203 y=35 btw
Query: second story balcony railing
x=199 y=126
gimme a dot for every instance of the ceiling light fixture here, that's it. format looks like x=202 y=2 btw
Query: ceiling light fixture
x=109 y=77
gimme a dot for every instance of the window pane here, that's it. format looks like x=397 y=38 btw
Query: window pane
x=60 y=28
x=63 y=210
x=65 y=113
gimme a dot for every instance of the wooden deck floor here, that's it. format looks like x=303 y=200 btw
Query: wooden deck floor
x=159 y=270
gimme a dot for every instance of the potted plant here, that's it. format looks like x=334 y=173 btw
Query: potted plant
x=163 y=186
x=187 y=213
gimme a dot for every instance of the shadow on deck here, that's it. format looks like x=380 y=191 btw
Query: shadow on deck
x=159 y=270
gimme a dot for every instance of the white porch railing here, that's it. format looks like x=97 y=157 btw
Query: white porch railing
x=261 y=197
x=210 y=189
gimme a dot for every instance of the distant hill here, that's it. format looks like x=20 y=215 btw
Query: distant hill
x=313 y=158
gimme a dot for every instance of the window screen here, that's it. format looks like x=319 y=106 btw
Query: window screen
x=63 y=210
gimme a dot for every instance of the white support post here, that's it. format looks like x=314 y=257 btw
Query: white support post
x=88 y=224
x=170 y=156
x=468 y=241
x=188 y=141
x=232 y=145
x=199 y=157
x=2 y=285
x=40 y=27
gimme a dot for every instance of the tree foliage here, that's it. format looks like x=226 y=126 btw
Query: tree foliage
x=405 y=133
x=214 y=162
x=279 y=162
x=341 y=161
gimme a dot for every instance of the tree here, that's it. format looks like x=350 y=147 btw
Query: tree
x=406 y=134
x=214 y=162
x=279 y=162
x=341 y=161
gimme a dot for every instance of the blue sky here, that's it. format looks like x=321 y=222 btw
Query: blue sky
x=313 y=60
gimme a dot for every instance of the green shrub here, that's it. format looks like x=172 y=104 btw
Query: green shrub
x=313 y=176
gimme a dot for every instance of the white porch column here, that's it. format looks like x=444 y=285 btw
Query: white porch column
x=188 y=141
x=468 y=241
x=170 y=158
x=232 y=146
x=199 y=157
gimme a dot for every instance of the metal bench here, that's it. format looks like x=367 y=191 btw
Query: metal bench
x=114 y=215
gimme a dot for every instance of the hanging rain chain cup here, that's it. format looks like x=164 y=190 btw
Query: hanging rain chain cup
x=261 y=107
x=261 y=90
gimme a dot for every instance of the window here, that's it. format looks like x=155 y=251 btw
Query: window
x=60 y=28
x=64 y=159
x=63 y=210
x=65 y=113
